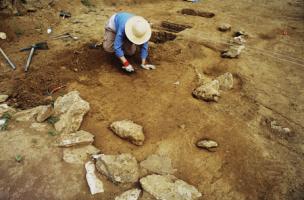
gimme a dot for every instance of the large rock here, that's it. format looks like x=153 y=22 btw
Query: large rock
x=40 y=114
x=169 y=188
x=121 y=168
x=70 y=109
x=77 y=138
x=208 y=91
x=226 y=81
x=158 y=164
x=78 y=155
x=132 y=194
x=129 y=130
x=3 y=98
x=95 y=184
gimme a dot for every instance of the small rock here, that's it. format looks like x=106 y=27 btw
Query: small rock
x=182 y=126
x=239 y=40
x=95 y=184
x=78 y=155
x=3 y=98
x=226 y=81
x=39 y=127
x=224 y=27
x=207 y=144
x=276 y=127
x=4 y=108
x=158 y=164
x=233 y=52
x=169 y=188
x=77 y=138
x=208 y=91
x=71 y=109
x=241 y=33
x=129 y=130
x=121 y=168
x=3 y=36
x=39 y=113
x=176 y=83
x=132 y=194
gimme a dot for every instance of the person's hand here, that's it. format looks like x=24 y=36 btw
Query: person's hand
x=147 y=66
x=128 y=68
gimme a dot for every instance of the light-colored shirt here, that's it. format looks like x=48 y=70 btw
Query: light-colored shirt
x=117 y=23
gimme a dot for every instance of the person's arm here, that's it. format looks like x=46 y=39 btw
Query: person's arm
x=118 y=43
x=144 y=55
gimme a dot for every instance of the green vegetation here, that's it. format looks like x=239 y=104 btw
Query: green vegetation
x=18 y=158
x=86 y=3
x=19 y=32
x=52 y=133
x=52 y=120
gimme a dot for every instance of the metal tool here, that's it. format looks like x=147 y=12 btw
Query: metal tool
x=38 y=46
x=7 y=59
x=65 y=35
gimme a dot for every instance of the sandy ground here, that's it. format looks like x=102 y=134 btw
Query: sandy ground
x=252 y=161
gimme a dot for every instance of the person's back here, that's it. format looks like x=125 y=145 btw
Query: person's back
x=123 y=32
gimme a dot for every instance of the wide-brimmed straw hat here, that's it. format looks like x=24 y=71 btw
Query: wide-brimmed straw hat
x=138 y=30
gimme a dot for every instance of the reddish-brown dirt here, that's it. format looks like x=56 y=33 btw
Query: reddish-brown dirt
x=252 y=161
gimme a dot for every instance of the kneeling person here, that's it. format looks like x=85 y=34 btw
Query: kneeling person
x=123 y=32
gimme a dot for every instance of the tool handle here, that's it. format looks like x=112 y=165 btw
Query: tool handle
x=29 y=59
x=26 y=49
x=7 y=59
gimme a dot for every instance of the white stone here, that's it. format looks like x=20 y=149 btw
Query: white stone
x=208 y=91
x=95 y=184
x=3 y=36
x=129 y=130
x=225 y=81
x=78 y=155
x=132 y=194
x=158 y=164
x=77 y=138
x=224 y=27
x=207 y=144
x=169 y=188
x=3 y=98
x=121 y=168
x=70 y=109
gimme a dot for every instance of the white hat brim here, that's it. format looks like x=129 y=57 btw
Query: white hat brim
x=130 y=35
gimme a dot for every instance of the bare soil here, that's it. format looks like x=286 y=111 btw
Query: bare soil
x=251 y=162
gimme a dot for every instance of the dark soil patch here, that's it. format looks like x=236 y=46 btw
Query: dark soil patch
x=187 y=11
x=162 y=36
x=173 y=27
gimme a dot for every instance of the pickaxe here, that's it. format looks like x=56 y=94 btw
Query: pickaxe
x=38 y=46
